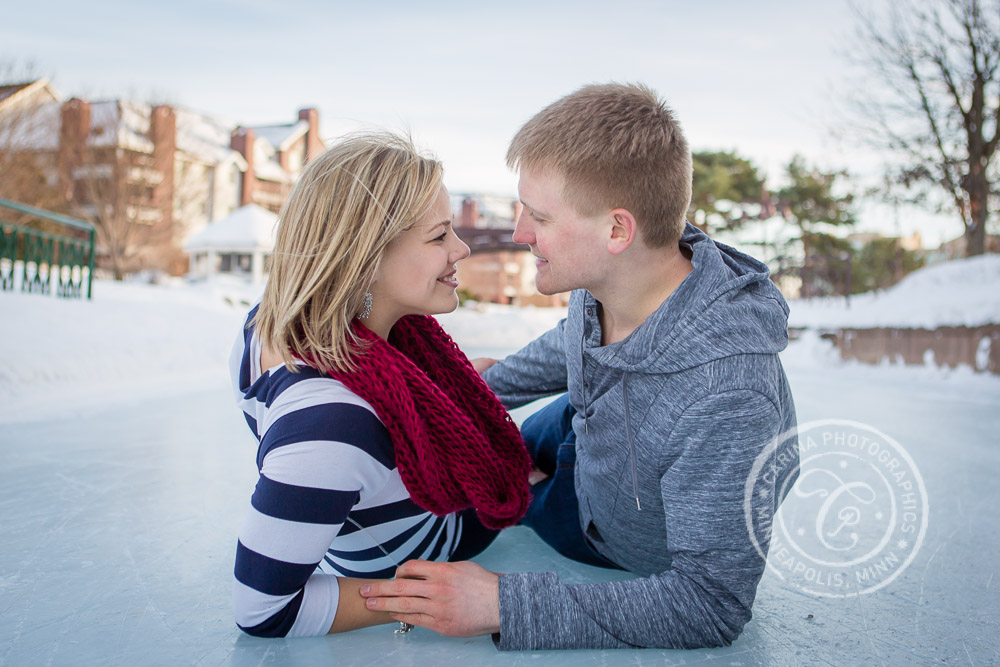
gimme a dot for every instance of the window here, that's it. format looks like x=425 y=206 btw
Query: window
x=235 y=262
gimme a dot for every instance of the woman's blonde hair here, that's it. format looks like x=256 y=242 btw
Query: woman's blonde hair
x=349 y=204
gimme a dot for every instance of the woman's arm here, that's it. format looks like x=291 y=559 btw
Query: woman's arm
x=352 y=613
x=308 y=485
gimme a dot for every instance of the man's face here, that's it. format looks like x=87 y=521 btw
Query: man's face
x=568 y=247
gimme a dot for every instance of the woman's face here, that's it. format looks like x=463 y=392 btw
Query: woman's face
x=417 y=273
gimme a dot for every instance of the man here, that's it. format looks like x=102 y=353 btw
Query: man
x=669 y=357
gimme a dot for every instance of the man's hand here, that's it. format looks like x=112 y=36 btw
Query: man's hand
x=482 y=363
x=453 y=599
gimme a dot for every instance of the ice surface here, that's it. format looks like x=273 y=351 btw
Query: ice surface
x=125 y=471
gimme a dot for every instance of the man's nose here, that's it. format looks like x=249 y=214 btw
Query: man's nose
x=522 y=232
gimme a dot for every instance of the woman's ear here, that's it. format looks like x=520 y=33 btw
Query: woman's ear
x=624 y=231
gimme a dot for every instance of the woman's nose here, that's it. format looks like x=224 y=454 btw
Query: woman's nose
x=462 y=251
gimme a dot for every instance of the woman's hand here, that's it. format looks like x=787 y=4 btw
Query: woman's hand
x=482 y=363
x=535 y=476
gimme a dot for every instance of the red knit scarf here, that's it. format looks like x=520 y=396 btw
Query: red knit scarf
x=456 y=447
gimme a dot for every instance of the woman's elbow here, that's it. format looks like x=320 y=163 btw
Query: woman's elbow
x=258 y=622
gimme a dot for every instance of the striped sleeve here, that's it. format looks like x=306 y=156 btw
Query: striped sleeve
x=329 y=501
x=318 y=458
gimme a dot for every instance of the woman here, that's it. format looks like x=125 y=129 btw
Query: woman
x=378 y=441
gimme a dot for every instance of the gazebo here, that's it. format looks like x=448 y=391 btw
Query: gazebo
x=237 y=244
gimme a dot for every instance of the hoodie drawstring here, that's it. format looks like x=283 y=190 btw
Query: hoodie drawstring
x=631 y=443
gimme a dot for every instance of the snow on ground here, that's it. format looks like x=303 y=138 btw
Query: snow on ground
x=130 y=341
x=960 y=292
x=136 y=340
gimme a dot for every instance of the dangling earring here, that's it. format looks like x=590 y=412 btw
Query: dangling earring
x=366 y=308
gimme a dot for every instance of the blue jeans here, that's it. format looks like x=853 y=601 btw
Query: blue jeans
x=554 y=511
x=475 y=537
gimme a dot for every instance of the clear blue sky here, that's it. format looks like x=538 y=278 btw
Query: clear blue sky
x=761 y=77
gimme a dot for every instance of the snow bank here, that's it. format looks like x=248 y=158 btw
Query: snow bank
x=137 y=341
x=960 y=292
x=493 y=330
x=134 y=341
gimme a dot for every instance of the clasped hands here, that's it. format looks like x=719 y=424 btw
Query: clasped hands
x=454 y=599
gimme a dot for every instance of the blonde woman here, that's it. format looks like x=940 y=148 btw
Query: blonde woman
x=378 y=441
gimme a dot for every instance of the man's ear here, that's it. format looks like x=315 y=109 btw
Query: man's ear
x=624 y=231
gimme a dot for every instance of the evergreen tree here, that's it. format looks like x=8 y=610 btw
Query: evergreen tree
x=881 y=263
x=728 y=192
x=810 y=201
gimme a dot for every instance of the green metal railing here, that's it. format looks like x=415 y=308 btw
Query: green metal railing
x=43 y=255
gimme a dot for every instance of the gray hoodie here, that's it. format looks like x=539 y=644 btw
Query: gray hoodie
x=669 y=423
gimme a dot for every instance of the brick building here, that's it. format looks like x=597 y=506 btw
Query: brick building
x=28 y=113
x=149 y=177
x=498 y=270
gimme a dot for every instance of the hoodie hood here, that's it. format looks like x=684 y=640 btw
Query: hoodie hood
x=727 y=305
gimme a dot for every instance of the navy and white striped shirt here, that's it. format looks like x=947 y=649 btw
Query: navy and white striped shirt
x=328 y=501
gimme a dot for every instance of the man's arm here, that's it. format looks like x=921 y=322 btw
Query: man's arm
x=704 y=598
x=536 y=371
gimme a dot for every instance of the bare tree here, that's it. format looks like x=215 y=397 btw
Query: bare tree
x=121 y=181
x=935 y=102
x=113 y=163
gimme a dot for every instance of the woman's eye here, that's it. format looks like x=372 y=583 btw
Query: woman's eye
x=442 y=237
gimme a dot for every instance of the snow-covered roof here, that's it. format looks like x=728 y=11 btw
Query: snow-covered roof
x=265 y=162
x=204 y=138
x=281 y=136
x=37 y=130
x=12 y=89
x=495 y=211
x=120 y=123
x=248 y=228
x=30 y=116
x=37 y=92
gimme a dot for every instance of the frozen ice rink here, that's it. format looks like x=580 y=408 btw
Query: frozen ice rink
x=125 y=472
x=120 y=521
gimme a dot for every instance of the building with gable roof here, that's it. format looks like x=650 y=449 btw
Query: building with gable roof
x=152 y=176
x=238 y=244
x=275 y=156
x=28 y=114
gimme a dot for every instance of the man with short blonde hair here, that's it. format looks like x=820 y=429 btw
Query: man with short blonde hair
x=615 y=146
x=668 y=358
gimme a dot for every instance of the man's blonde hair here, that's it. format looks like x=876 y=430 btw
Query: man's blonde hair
x=615 y=146
x=348 y=205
